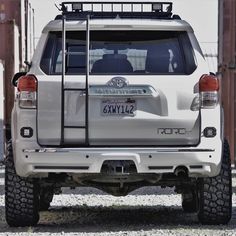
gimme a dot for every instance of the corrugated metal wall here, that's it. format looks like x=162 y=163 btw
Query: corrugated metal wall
x=11 y=10
x=17 y=37
x=227 y=67
x=23 y=14
x=9 y=54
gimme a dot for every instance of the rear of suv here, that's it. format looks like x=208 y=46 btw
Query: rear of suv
x=118 y=96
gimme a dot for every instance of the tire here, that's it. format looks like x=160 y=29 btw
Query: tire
x=21 y=196
x=46 y=196
x=215 y=194
x=190 y=202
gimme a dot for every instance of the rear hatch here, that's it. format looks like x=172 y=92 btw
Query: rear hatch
x=140 y=90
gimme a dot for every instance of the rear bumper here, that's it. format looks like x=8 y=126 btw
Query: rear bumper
x=33 y=160
x=200 y=161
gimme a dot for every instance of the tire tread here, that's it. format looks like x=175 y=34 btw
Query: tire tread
x=215 y=194
x=21 y=196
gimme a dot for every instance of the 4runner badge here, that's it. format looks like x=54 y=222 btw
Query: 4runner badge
x=170 y=131
x=118 y=82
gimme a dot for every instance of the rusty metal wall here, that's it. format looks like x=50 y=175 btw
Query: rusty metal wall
x=9 y=54
x=10 y=9
x=227 y=67
x=10 y=17
x=13 y=44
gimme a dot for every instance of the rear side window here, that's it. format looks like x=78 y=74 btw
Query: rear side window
x=120 y=52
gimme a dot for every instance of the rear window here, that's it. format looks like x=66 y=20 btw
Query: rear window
x=120 y=52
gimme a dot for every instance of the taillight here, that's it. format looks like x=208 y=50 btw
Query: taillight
x=209 y=91
x=27 y=91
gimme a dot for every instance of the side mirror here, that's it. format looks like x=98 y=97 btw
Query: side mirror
x=16 y=77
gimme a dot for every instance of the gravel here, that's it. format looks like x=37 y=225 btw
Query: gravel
x=87 y=212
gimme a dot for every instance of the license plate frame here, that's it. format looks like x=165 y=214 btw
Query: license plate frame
x=118 y=107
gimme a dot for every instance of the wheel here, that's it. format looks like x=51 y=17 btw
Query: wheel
x=215 y=194
x=46 y=196
x=189 y=201
x=21 y=196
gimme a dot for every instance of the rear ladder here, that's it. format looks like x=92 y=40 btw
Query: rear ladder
x=63 y=89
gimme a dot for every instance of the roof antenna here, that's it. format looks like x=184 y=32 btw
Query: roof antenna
x=57 y=7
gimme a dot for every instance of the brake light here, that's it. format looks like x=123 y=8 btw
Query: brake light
x=27 y=91
x=27 y=83
x=209 y=91
x=208 y=83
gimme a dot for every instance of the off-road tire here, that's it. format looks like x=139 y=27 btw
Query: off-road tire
x=21 y=196
x=46 y=196
x=190 y=201
x=215 y=194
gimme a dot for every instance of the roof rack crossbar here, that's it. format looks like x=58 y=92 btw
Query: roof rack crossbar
x=163 y=9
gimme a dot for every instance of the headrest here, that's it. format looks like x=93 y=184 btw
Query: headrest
x=158 y=61
x=115 y=56
x=76 y=60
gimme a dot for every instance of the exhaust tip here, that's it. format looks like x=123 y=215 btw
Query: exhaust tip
x=181 y=171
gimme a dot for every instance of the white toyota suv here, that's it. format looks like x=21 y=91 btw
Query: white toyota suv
x=118 y=96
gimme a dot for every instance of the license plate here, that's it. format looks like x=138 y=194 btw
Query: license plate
x=118 y=107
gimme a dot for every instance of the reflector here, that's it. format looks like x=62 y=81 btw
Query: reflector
x=209 y=132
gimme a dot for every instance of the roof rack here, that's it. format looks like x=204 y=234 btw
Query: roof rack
x=116 y=9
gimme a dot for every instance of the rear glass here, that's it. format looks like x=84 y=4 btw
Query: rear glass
x=120 y=52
